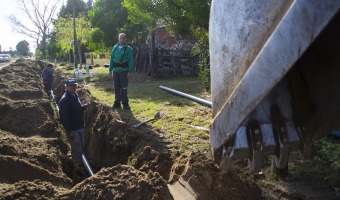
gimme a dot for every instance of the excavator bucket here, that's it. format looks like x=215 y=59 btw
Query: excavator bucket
x=275 y=77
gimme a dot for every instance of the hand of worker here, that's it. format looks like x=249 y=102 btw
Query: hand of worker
x=128 y=76
x=86 y=106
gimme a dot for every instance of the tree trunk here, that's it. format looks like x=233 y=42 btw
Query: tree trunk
x=43 y=45
x=80 y=57
x=69 y=56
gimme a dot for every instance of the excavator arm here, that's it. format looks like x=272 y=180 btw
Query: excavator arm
x=275 y=77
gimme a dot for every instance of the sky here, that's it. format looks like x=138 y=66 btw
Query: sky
x=9 y=38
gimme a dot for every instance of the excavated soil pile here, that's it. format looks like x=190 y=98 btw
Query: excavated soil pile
x=128 y=163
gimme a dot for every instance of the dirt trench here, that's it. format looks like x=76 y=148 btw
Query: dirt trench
x=128 y=163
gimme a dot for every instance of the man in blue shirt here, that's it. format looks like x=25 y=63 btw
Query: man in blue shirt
x=47 y=76
x=121 y=67
x=71 y=113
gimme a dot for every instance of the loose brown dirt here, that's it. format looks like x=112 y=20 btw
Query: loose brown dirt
x=128 y=163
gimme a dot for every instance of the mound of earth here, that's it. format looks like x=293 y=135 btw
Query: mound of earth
x=128 y=163
x=120 y=182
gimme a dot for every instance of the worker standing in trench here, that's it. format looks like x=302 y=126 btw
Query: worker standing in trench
x=71 y=113
x=47 y=76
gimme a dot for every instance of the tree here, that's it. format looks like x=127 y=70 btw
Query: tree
x=54 y=51
x=80 y=8
x=183 y=16
x=23 y=47
x=38 y=16
x=64 y=32
x=110 y=17
x=96 y=43
x=143 y=12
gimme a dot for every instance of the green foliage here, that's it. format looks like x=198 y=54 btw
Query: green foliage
x=38 y=54
x=23 y=47
x=325 y=162
x=80 y=8
x=54 y=51
x=97 y=35
x=134 y=11
x=329 y=149
x=141 y=12
x=189 y=15
x=83 y=28
x=109 y=16
x=64 y=31
x=96 y=43
x=202 y=48
x=183 y=16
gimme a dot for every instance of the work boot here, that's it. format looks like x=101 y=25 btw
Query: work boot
x=116 y=106
x=126 y=107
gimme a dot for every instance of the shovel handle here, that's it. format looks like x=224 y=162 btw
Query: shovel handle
x=137 y=125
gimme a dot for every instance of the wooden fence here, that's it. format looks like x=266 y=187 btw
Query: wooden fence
x=168 y=63
x=160 y=63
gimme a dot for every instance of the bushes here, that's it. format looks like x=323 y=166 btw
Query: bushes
x=329 y=149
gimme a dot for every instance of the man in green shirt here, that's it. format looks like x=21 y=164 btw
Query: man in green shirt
x=121 y=67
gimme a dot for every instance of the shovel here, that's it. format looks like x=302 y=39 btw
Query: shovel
x=158 y=115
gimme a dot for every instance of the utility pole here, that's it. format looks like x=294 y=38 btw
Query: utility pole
x=74 y=35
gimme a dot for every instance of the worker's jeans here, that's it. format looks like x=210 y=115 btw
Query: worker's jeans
x=120 y=83
x=48 y=87
x=77 y=145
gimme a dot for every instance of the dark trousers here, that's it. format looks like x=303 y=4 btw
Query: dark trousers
x=77 y=145
x=48 y=87
x=120 y=83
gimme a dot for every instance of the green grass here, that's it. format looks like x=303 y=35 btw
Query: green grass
x=329 y=149
x=146 y=99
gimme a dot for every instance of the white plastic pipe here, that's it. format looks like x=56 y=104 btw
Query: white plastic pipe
x=86 y=164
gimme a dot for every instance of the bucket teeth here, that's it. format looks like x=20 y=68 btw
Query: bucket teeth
x=293 y=138
x=255 y=162
x=241 y=147
x=281 y=160
x=288 y=140
x=268 y=139
x=281 y=157
x=253 y=142
x=225 y=164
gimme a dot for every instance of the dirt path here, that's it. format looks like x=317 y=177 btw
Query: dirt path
x=2 y=65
